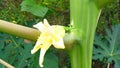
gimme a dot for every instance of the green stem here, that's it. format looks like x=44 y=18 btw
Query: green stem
x=84 y=19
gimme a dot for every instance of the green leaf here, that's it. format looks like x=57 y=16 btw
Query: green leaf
x=24 y=55
x=34 y=8
x=1 y=44
x=108 y=47
x=34 y=61
x=102 y=3
x=1 y=66
x=51 y=61
x=15 y=51
x=117 y=64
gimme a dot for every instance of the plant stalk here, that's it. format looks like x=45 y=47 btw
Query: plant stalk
x=84 y=20
x=19 y=30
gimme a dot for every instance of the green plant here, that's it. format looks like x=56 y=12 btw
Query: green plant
x=83 y=19
x=16 y=51
x=10 y=11
x=34 y=7
x=108 y=17
x=107 y=47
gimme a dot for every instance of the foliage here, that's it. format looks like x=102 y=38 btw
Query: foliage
x=34 y=8
x=108 y=16
x=59 y=10
x=17 y=52
x=58 y=13
x=10 y=11
x=107 y=48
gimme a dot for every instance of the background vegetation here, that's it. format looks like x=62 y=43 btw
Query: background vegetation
x=16 y=51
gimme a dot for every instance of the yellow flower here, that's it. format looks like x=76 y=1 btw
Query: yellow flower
x=50 y=35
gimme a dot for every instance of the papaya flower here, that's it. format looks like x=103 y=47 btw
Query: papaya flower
x=50 y=35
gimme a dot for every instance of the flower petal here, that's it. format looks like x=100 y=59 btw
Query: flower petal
x=36 y=47
x=58 y=44
x=40 y=26
x=46 y=23
x=59 y=30
x=38 y=44
x=49 y=35
x=41 y=57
